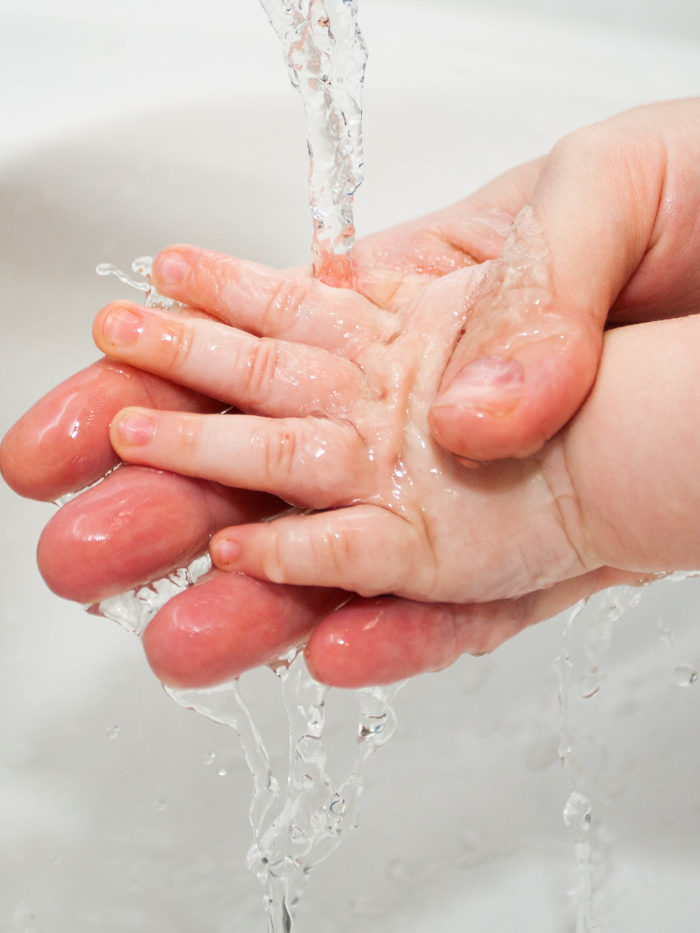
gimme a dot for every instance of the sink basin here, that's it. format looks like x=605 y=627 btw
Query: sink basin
x=129 y=128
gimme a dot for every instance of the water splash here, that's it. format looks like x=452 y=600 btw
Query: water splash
x=295 y=830
x=134 y=609
x=140 y=279
x=326 y=57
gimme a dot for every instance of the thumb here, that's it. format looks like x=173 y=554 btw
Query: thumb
x=531 y=346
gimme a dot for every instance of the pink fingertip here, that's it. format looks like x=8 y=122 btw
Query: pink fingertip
x=134 y=429
x=171 y=269
x=225 y=552
x=122 y=326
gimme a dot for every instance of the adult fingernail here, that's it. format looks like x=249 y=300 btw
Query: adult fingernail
x=122 y=326
x=135 y=429
x=224 y=552
x=171 y=269
x=489 y=384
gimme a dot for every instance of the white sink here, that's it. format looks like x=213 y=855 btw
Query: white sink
x=126 y=129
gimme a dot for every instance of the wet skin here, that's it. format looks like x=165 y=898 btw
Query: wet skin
x=374 y=640
x=102 y=542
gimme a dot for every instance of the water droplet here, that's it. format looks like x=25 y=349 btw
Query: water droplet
x=577 y=811
x=159 y=804
x=296 y=834
x=337 y=805
x=372 y=726
x=209 y=759
x=222 y=772
x=114 y=732
x=309 y=747
x=685 y=676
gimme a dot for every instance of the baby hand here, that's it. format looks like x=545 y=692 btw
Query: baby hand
x=338 y=421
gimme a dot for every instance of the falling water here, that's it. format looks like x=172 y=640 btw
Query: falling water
x=296 y=828
x=583 y=677
x=326 y=57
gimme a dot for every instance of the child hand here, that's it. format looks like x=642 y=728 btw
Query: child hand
x=341 y=424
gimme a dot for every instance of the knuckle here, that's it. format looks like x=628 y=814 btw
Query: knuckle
x=567 y=148
x=177 y=340
x=274 y=561
x=211 y=273
x=590 y=149
x=260 y=369
x=579 y=144
x=282 y=447
x=335 y=549
x=284 y=308
x=188 y=431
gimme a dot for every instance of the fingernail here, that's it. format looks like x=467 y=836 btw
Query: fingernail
x=136 y=430
x=171 y=269
x=225 y=552
x=122 y=326
x=489 y=384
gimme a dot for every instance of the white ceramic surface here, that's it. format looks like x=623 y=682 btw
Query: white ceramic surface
x=127 y=128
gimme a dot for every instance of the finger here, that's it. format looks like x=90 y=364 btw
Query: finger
x=137 y=526
x=269 y=303
x=313 y=462
x=530 y=350
x=379 y=641
x=361 y=549
x=62 y=443
x=228 y=623
x=272 y=377
x=391 y=266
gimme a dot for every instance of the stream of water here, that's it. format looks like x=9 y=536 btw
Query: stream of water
x=326 y=56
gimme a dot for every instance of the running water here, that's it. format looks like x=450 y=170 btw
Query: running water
x=326 y=57
x=580 y=751
x=294 y=830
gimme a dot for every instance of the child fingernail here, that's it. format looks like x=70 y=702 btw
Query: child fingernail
x=136 y=430
x=171 y=269
x=122 y=326
x=489 y=384
x=225 y=552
